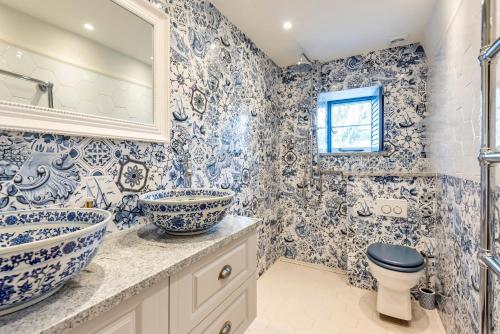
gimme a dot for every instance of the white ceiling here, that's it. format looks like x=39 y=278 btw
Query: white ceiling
x=326 y=29
x=115 y=27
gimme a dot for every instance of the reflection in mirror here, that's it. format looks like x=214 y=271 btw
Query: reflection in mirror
x=69 y=55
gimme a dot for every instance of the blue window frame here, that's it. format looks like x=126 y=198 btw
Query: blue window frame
x=354 y=121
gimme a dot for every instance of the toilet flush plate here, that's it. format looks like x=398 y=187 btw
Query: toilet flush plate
x=391 y=207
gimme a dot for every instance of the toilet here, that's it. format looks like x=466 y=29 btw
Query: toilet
x=397 y=269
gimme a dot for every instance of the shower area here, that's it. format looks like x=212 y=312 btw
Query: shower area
x=328 y=202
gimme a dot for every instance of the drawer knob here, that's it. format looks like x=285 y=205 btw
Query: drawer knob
x=226 y=329
x=225 y=272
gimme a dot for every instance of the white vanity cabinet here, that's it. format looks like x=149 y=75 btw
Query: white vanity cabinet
x=216 y=294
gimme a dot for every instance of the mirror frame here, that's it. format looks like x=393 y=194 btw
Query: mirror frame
x=22 y=117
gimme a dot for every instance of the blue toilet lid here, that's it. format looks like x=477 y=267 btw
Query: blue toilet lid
x=395 y=256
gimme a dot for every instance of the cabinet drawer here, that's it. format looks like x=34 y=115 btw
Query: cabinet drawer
x=198 y=290
x=234 y=315
x=212 y=278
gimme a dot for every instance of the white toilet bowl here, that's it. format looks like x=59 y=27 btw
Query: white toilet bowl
x=397 y=269
x=393 y=295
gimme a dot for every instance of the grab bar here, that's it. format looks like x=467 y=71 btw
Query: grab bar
x=332 y=171
x=44 y=86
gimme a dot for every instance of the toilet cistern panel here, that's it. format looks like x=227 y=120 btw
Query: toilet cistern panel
x=391 y=207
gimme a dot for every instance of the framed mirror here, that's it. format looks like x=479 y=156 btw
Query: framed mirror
x=85 y=67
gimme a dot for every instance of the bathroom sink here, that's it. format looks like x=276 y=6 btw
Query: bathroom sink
x=186 y=211
x=41 y=249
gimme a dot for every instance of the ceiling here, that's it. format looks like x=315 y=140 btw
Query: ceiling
x=326 y=29
x=125 y=33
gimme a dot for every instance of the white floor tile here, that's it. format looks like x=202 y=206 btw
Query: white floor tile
x=296 y=299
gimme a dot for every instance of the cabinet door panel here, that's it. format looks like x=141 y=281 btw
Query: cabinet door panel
x=145 y=313
x=124 y=325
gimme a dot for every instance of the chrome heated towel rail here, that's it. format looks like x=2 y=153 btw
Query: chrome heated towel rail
x=44 y=86
x=488 y=260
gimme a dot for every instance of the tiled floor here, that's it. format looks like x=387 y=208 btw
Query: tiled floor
x=297 y=299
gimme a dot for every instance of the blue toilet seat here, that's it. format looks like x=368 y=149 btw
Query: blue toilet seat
x=396 y=258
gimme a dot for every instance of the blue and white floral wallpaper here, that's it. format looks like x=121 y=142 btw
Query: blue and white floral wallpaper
x=244 y=124
x=364 y=227
x=224 y=120
x=457 y=270
x=336 y=230
x=457 y=266
x=403 y=73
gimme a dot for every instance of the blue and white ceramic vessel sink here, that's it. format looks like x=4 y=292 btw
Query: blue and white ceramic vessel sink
x=41 y=249
x=186 y=211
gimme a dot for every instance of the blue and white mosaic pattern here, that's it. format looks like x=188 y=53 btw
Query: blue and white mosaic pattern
x=186 y=211
x=66 y=241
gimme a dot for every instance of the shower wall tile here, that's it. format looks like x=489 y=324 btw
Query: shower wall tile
x=324 y=227
x=403 y=73
x=315 y=224
x=223 y=118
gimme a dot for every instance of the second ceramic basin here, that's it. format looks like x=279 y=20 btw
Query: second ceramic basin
x=186 y=211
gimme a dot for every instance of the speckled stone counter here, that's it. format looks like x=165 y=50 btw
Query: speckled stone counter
x=127 y=263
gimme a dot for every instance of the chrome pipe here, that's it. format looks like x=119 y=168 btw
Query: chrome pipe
x=44 y=86
x=492 y=263
x=491 y=157
x=50 y=95
x=491 y=51
x=188 y=173
x=24 y=77
x=487 y=176
x=307 y=58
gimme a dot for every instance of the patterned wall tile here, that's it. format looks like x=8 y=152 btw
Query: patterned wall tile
x=365 y=227
x=224 y=121
x=244 y=124
x=335 y=229
x=133 y=175
x=47 y=178
x=457 y=265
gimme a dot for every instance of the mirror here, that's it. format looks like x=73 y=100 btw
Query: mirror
x=93 y=62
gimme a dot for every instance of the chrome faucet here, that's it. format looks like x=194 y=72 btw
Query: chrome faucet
x=188 y=173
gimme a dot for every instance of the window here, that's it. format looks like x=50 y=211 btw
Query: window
x=351 y=121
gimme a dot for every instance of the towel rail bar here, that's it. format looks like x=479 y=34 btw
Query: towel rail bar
x=490 y=51
x=491 y=157
x=488 y=265
x=492 y=263
x=44 y=86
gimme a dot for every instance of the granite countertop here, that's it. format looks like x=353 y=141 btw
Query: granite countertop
x=126 y=263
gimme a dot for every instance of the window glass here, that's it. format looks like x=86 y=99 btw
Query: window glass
x=351 y=113
x=350 y=120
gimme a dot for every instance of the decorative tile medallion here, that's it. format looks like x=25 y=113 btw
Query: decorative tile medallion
x=132 y=175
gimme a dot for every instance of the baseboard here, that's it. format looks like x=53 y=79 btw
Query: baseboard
x=313 y=265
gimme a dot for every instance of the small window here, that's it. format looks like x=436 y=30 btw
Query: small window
x=351 y=121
